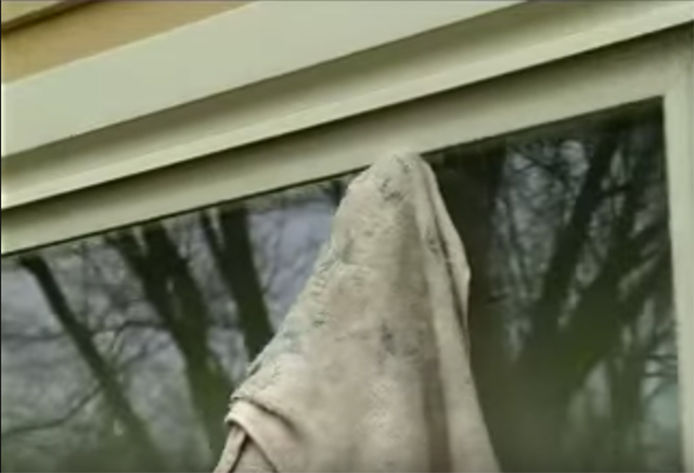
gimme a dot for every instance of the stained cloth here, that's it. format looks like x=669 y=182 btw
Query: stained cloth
x=370 y=369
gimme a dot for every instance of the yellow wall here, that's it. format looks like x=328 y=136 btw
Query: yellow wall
x=64 y=34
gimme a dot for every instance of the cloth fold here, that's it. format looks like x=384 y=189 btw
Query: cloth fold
x=370 y=369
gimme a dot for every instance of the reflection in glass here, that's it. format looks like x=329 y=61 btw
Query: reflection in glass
x=119 y=350
x=566 y=229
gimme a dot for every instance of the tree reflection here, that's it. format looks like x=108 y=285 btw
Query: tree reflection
x=150 y=325
x=571 y=304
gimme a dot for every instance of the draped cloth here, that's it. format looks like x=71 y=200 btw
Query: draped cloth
x=370 y=369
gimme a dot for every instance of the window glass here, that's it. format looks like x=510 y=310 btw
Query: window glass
x=566 y=230
x=119 y=350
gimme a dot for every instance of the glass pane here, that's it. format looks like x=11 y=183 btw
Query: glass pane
x=566 y=229
x=119 y=350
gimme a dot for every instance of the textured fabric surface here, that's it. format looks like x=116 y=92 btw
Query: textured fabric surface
x=370 y=369
x=242 y=454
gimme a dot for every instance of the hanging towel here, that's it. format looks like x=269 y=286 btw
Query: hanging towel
x=370 y=369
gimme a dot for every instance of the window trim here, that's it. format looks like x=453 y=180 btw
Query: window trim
x=122 y=124
x=679 y=123
x=133 y=81
x=650 y=67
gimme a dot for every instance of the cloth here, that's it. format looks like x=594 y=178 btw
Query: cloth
x=370 y=369
x=242 y=454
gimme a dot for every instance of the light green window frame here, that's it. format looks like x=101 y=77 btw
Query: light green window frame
x=351 y=105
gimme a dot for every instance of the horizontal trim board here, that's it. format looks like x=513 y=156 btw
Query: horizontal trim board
x=466 y=52
x=242 y=46
x=622 y=74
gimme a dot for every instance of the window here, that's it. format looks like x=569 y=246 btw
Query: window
x=119 y=351
x=132 y=340
x=583 y=320
x=573 y=330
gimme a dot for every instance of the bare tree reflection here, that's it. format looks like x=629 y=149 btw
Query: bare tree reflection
x=233 y=244
x=571 y=295
x=164 y=316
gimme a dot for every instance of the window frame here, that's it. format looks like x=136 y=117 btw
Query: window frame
x=131 y=119
x=639 y=51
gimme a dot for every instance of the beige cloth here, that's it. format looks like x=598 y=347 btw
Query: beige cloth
x=370 y=370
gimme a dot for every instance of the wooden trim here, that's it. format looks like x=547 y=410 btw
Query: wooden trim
x=618 y=75
x=460 y=54
x=679 y=123
x=219 y=54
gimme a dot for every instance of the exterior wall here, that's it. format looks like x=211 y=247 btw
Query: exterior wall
x=37 y=36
